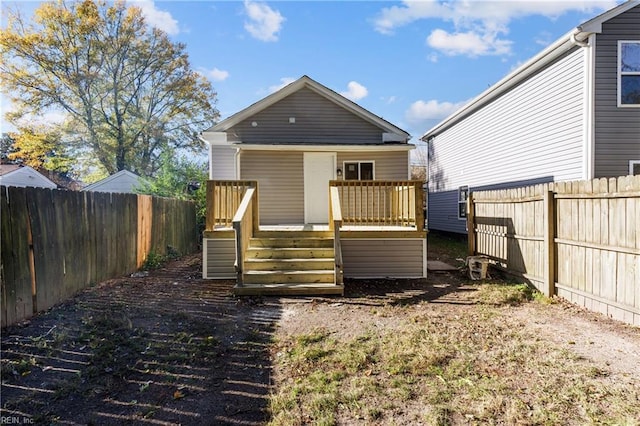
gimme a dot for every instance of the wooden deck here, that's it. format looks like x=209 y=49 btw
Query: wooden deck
x=294 y=259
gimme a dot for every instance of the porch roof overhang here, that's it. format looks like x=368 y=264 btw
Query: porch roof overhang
x=323 y=148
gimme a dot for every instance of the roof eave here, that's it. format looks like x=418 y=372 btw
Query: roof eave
x=318 y=88
x=323 y=147
x=548 y=55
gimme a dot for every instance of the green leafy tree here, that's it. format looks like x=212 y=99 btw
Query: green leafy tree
x=39 y=147
x=128 y=92
x=6 y=146
x=182 y=179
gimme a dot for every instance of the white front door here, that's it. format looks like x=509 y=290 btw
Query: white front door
x=319 y=169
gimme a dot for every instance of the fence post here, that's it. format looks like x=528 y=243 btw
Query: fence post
x=471 y=229
x=549 y=285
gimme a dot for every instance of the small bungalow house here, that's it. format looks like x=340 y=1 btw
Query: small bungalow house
x=23 y=176
x=570 y=113
x=307 y=187
x=123 y=181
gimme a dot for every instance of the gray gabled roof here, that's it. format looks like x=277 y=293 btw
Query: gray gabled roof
x=295 y=86
x=574 y=37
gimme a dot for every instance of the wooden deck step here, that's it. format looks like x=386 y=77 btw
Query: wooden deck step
x=289 y=289
x=288 y=263
x=290 y=253
x=276 y=264
x=310 y=242
x=293 y=234
x=288 y=277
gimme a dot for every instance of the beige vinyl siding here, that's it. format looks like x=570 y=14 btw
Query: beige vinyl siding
x=617 y=130
x=280 y=184
x=219 y=258
x=392 y=165
x=223 y=162
x=533 y=131
x=317 y=121
x=380 y=258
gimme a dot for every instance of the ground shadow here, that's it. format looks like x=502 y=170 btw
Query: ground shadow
x=438 y=287
x=168 y=348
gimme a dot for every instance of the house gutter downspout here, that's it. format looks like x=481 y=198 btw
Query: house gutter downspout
x=237 y=160
x=587 y=42
x=209 y=155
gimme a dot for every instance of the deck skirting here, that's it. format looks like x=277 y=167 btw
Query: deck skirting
x=218 y=258
x=384 y=257
x=364 y=257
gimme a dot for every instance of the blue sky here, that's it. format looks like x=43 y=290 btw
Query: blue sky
x=412 y=63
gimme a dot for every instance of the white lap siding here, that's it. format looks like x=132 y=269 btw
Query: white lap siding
x=532 y=132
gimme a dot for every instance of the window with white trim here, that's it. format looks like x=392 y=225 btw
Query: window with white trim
x=358 y=170
x=634 y=167
x=629 y=73
x=463 y=194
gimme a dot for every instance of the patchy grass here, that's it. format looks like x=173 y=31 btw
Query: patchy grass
x=513 y=294
x=472 y=368
x=157 y=260
x=446 y=247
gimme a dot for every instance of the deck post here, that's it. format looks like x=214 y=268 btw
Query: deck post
x=239 y=250
x=335 y=222
x=255 y=210
x=419 y=197
x=210 y=215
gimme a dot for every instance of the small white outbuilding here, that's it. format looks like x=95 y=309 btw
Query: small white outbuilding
x=123 y=181
x=23 y=176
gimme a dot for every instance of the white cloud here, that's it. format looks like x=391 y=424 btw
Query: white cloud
x=214 y=74
x=544 y=38
x=49 y=116
x=355 y=91
x=157 y=18
x=468 y=43
x=421 y=111
x=264 y=23
x=477 y=24
x=284 y=81
x=390 y=100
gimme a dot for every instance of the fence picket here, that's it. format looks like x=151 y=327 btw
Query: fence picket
x=79 y=239
x=592 y=245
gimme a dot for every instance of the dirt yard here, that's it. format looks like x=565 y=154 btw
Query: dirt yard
x=171 y=348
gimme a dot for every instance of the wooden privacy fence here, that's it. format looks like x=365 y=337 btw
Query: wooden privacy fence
x=579 y=240
x=55 y=243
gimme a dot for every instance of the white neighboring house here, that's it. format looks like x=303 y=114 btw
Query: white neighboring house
x=23 y=176
x=123 y=181
x=572 y=112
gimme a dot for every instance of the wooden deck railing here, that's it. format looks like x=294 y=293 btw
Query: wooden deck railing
x=223 y=199
x=381 y=203
x=245 y=224
x=335 y=222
